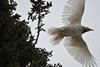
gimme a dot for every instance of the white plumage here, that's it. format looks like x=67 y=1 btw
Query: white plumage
x=72 y=33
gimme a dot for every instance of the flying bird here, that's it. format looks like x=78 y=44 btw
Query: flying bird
x=71 y=33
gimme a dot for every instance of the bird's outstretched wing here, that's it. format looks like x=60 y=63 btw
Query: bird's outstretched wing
x=73 y=11
x=77 y=48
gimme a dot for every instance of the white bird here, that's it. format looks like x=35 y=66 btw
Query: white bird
x=72 y=32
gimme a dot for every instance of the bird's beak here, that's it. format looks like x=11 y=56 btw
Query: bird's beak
x=91 y=30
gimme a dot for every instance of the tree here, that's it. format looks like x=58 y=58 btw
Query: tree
x=39 y=10
x=16 y=41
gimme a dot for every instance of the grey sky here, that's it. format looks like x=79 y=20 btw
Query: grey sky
x=90 y=18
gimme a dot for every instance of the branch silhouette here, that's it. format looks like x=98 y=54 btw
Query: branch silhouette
x=38 y=11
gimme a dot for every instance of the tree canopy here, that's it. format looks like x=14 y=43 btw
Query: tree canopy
x=17 y=48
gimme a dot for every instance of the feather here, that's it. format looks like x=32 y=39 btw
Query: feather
x=57 y=35
x=77 y=48
x=73 y=11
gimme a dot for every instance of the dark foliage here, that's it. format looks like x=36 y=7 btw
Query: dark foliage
x=39 y=10
x=16 y=47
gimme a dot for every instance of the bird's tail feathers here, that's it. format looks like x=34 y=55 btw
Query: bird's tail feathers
x=57 y=35
x=53 y=30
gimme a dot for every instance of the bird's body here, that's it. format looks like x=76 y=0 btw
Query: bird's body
x=72 y=33
x=70 y=29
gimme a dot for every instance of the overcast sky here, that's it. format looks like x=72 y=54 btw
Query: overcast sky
x=91 y=18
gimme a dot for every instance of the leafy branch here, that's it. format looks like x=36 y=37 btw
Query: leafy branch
x=39 y=10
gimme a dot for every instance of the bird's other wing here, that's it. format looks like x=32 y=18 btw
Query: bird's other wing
x=73 y=11
x=77 y=48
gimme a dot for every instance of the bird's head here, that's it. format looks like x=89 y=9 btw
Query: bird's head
x=86 y=29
